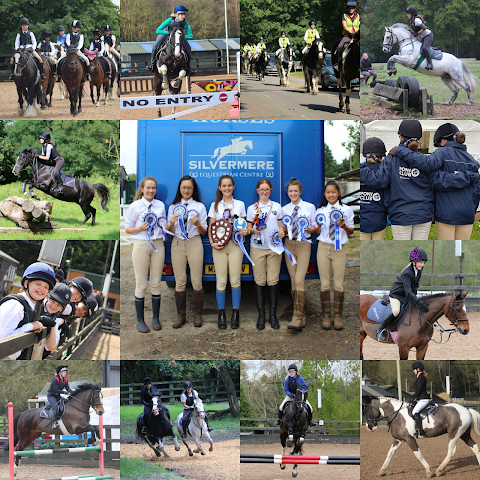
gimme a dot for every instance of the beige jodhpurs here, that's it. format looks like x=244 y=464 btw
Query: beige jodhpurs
x=301 y=251
x=143 y=257
x=453 y=232
x=184 y=251
x=327 y=256
x=396 y=305
x=373 y=236
x=228 y=261
x=267 y=266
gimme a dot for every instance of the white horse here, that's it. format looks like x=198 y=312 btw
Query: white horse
x=197 y=428
x=284 y=63
x=238 y=146
x=450 y=69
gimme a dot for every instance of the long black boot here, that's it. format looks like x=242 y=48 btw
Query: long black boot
x=59 y=184
x=222 y=320
x=427 y=53
x=418 y=426
x=273 y=294
x=151 y=67
x=278 y=421
x=42 y=72
x=139 y=308
x=379 y=335
x=260 y=297
x=156 y=312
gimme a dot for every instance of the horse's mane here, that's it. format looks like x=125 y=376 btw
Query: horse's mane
x=85 y=386
x=401 y=26
x=436 y=295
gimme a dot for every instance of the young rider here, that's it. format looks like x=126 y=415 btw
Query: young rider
x=26 y=41
x=58 y=386
x=350 y=24
x=405 y=289
x=110 y=40
x=48 y=50
x=61 y=37
x=421 y=31
x=50 y=154
x=310 y=36
x=148 y=391
x=187 y=398
x=75 y=39
x=260 y=46
x=421 y=397
x=283 y=41
x=99 y=44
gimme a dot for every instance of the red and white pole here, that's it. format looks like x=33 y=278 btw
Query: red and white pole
x=100 y=427
x=11 y=456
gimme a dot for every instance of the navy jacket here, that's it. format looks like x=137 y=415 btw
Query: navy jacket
x=411 y=192
x=406 y=287
x=454 y=172
x=373 y=203
x=58 y=386
x=420 y=388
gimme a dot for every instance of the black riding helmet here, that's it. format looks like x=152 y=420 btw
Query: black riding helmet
x=24 y=21
x=83 y=285
x=418 y=365
x=61 y=294
x=60 y=368
x=292 y=367
x=107 y=28
x=374 y=145
x=444 y=132
x=45 y=136
x=92 y=305
x=351 y=3
x=97 y=32
x=418 y=255
x=60 y=28
x=60 y=275
x=187 y=385
x=46 y=34
x=147 y=380
x=282 y=33
x=76 y=23
x=410 y=129
x=312 y=22
x=98 y=298
x=412 y=10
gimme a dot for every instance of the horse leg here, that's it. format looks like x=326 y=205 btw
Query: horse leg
x=93 y=429
x=412 y=443
x=422 y=352
x=340 y=94
x=448 y=81
x=184 y=440
x=199 y=448
x=161 y=446
x=452 y=445
x=471 y=443
x=304 y=432
x=290 y=433
x=175 y=440
x=363 y=336
x=403 y=350
x=209 y=438
x=31 y=111
x=80 y=94
x=21 y=445
x=467 y=89
x=395 y=446
x=152 y=446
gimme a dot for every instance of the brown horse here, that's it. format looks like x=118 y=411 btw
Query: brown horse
x=417 y=328
x=29 y=425
x=47 y=85
x=73 y=77
x=99 y=77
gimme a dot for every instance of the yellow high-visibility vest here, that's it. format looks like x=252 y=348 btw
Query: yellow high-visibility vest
x=283 y=42
x=260 y=47
x=312 y=35
x=355 y=23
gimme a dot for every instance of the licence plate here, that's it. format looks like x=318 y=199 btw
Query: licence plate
x=210 y=269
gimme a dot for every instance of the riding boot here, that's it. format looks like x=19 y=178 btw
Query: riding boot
x=236 y=297
x=296 y=322
x=53 y=67
x=278 y=421
x=42 y=72
x=156 y=312
x=273 y=295
x=185 y=427
x=190 y=71
x=12 y=75
x=58 y=184
x=235 y=320
x=379 y=335
x=418 y=426
x=209 y=428
x=151 y=67
x=139 y=308
x=222 y=320
x=198 y=296
x=427 y=53
x=181 y=302
x=260 y=297
x=326 y=309
x=338 y=298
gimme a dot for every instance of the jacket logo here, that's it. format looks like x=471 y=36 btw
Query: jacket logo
x=369 y=196
x=409 y=172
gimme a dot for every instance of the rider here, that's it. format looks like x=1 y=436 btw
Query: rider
x=292 y=382
x=179 y=14
x=421 y=31
x=110 y=40
x=247 y=48
x=50 y=154
x=421 y=397
x=187 y=398
x=58 y=386
x=99 y=44
x=75 y=39
x=405 y=289
x=310 y=35
x=47 y=49
x=148 y=391
x=283 y=41
x=260 y=46
x=61 y=37
x=350 y=24
x=26 y=41
x=82 y=289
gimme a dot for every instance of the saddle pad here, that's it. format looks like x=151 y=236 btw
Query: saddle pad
x=436 y=54
x=378 y=312
x=67 y=181
x=44 y=413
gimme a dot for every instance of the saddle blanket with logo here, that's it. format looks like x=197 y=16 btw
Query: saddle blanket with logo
x=378 y=311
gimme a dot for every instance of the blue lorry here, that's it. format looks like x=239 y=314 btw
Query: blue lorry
x=246 y=150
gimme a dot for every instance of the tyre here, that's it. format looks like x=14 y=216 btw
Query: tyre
x=413 y=92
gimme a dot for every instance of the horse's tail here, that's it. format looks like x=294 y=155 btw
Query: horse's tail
x=6 y=447
x=104 y=193
x=475 y=420
x=470 y=78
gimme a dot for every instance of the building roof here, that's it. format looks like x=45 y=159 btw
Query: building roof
x=233 y=43
x=9 y=258
x=138 y=48
x=375 y=391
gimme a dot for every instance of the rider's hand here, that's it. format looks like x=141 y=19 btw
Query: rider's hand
x=37 y=327
x=422 y=306
x=217 y=246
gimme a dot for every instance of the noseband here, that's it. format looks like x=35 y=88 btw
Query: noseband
x=457 y=320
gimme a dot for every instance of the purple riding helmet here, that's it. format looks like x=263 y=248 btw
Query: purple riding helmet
x=418 y=255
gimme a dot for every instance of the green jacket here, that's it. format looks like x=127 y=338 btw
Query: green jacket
x=163 y=28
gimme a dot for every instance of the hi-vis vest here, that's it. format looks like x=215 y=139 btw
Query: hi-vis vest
x=351 y=23
x=312 y=35
x=283 y=42
x=247 y=48
x=261 y=47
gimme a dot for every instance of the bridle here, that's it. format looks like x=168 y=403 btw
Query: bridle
x=392 y=41
x=457 y=320
x=90 y=403
x=72 y=64
x=18 y=64
x=376 y=419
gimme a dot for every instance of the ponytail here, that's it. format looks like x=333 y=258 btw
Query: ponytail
x=406 y=267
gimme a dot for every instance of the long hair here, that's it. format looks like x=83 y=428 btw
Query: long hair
x=219 y=194
x=178 y=196
x=411 y=263
x=138 y=193
x=324 y=201
x=426 y=375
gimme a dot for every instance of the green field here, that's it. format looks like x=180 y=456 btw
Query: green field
x=70 y=215
x=135 y=469
x=433 y=232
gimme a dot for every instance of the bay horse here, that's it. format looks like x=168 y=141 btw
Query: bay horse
x=171 y=64
x=29 y=425
x=417 y=328
x=80 y=192
x=158 y=428
x=27 y=81
x=312 y=64
x=261 y=62
x=284 y=63
x=294 y=425
x=47 y=85
x=197 y=428
x=99 y=77
x=348 y=62
x=73 y=77
x=59 y=54
x=452 y=419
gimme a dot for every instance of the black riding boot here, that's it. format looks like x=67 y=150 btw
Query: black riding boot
x=54 y=69
x=58 y=184
x=260 y=297
x=146 y=419
x=156 y=312
x=427 y=53
x=208 y=426
x=273 y=294
x=418 y=425
x=42 y=72
x=278 y=421
x=379 y=335
x=311 y=422
x=185 y=427
x=87 y=73
x=235 y=320
x=151 y=67
x=222 y=320
x=139 y=308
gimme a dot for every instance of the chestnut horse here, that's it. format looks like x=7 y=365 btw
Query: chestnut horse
x=73 y=77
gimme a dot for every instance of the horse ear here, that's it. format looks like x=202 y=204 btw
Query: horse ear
x=464 y=294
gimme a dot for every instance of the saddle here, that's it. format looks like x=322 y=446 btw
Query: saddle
x=67 y=179
x=381 y=309
x=53 y=413
x=430 y=409
x=435 y=52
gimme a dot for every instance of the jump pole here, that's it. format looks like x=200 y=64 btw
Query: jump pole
x=299 y=461
x=11 y=457
x=101 y=458
x=296 y=457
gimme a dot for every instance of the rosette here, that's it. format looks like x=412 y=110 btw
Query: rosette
x=151 y=219
x=302 y=223
x=287 y=220
x=274 y=238
x=160 y=222
x=334 y=216
x=238 y=239
x=181 y=210
x=320 y=219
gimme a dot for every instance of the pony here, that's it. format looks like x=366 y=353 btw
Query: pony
x=284 y=63
x=197 y=428
x=99 y=77
x=312 y=64
x=80 y=191
x=59 y=54
x=47 y=85
x=417 y=328
x=448 y=67
x=27 y=81
x=260 y=65
x=73 y=77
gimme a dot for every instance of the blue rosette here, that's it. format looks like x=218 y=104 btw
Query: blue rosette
x=287 y=220
x=302 y=223
x=276 y=240
x=160 y=222
x=238 y=239
x=181 y=211
x=334 y=216
x=321 y=219
x=151 y=219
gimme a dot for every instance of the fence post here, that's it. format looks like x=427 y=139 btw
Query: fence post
x=100 y=427
x=10 y=440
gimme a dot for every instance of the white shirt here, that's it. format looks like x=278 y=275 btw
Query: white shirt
x=102 y=48
x=80 y=42
x=426 y=32
x=237 y=207
x=275 y=211
x=47 y=150
x=11 y=314
x=183 y=398
x=136 y=214
x=347 y=216
x=29 y=45
x=305 y=209
x=192 y=230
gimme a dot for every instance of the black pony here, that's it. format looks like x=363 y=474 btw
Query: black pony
x=27 y=80
x=312 y=65
x=348 y=69
x=261 y=64
x=80 y=191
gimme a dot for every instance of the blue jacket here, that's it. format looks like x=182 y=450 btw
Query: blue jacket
x=454 y=173
x=411 y=192
x=373 y=203
x=297 y=379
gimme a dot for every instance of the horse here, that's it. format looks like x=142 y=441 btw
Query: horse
x=417 y=328
x=294 y=425
x=197 y=428
x=73 y=77
x=29 y=425
x=80 y=191
x=449 y=68
x=47 y=85
x=238 y=146
x=27 y=80
x=99 y=77
x=115 y=74
x=158 y=428
x=260 y=64
x=284 y=63
x=348 y=62
x=171 y=64
x=60 y=53
x=453 y=419
x=312 y=64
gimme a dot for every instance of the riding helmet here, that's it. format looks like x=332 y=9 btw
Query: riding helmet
x=410 y=129
x=180 y=9
x=412 y=10
x=61 y=294
x=282 y=32
x=444 y=131
x=312 y=22
x=147 y=381
x=98 y=298
x=418 y=255
x=351 y=3
x=46 y=33
x=59 y=275
x=24 y=21
x=45 y=136
x=187 y=385
x=83 y=285
x=61 y=368
x=39 y=271
x=76 y=23
x=418 y=365
x=292 y=367
x=92 y=305
x=60 y=28
x=107 y=28
x=374 y=145
x=97 y=32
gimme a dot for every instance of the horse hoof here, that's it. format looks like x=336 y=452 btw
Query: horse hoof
x=438 y=473
x=203 y=453
x=282 y=466
x=190 y=453
x=381 y=473
x=211 y=448
x=177 y=448
x=294 y=474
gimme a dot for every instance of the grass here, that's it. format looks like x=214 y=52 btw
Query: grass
x=70 y=215
x=135 y=469
x=433 y=232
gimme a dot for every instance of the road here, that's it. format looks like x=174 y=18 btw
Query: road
x=267 y=100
